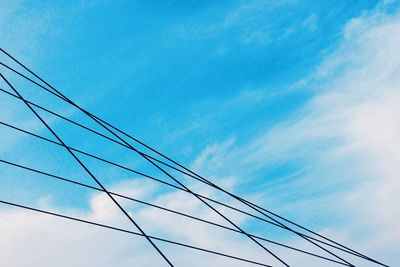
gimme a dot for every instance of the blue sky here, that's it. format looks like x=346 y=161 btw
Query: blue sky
x=292 y=104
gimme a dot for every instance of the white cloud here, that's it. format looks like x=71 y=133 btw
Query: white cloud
x=347 y=136
x=347 y=139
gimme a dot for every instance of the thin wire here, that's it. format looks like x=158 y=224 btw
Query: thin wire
x=185 y=187
x=91 y=155
x=162 y=208
x=208 y=205
x=98 y=133
x=124 y=145
x=162 y=170
x=87 y=170
x=204 y=180
x=168 y=184
x=134 y=233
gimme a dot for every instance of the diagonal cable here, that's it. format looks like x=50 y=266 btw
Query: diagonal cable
x=169 y=184
x=122 y=144
x=193 y=175
x=155 y=165
x=86 y=169
x=57 y=177
x=116 y=141
x=251 y=205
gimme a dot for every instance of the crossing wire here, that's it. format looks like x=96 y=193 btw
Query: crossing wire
x=163 y=208
x=191 y=174
x=159 y=168
x=87 y=170
x=249 y=204
x=168 y=184
x=101 y=135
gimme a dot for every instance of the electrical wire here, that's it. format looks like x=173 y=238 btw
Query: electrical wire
x=57 y=177
x=168 y=184
x=87 y=171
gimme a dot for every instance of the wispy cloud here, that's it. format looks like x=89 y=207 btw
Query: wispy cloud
x=346 y=138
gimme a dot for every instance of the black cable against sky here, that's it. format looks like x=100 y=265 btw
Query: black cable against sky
x=104 y=136
x=57 y=143
x=151 y=162
x=86 y=169
x=197 y=177
x=168 y=184
x=208 y=183
x=181 y=184
x=57 y=177
x=99 y=121
x=98 y=133
x=146 y=155
x=134 y=233
x=188 y=190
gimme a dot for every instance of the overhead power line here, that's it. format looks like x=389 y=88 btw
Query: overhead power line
x=178 y=188
x=164 y=209
x=87 y=170
x=119 y=137
x=185 y=170
x=147 y=156
x=189 y=172
x=173 y=186
x=152 y=163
